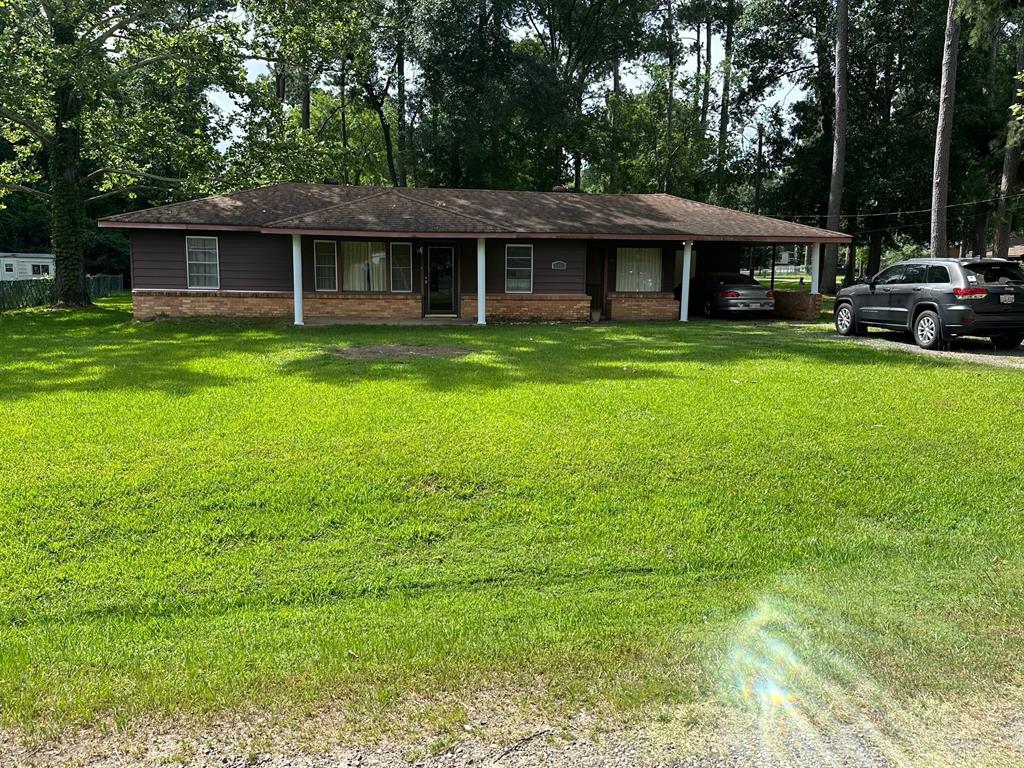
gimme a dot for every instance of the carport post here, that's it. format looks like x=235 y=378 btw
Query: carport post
x=815 y=266
x=481 y=281
x=297 y=277
x=684 y=284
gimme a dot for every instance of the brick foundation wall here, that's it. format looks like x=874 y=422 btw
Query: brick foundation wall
x=147 y=305
x=528 y=307
x=642 y=306
x=794 y=305
x=363 y=306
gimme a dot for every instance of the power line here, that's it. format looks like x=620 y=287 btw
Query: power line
x=900 y=213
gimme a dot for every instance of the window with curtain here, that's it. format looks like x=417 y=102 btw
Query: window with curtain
x=518 y=269
x=325 y=265
x=638 y=269
x=203 y=262
x=365 y=267
x=401 y=267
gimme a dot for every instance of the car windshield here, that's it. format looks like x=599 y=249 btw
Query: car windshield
x=734 y=278
x=994 y=273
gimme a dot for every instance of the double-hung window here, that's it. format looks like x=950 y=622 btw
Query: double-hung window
x=203 y=262
x=518 y=269
x=364 y=266
x=401 y=267
x=638 y=270
x=325 y=265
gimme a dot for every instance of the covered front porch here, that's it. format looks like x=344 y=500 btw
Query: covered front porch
x=510 y=279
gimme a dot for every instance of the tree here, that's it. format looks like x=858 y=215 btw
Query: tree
x=102 y=99
x=944 y=132
x=1011 y=164
x=835 y=194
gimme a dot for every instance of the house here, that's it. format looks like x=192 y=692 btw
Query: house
x=327 y=251
x=26 y=266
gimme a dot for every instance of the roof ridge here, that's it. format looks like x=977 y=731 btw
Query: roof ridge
x=470 y=216
x=745 y=213
x=165 y=206
x=327 y=208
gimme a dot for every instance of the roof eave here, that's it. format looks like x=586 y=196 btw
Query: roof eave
x=829 y=237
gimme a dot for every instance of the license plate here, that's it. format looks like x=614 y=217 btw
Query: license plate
x=1007 y=298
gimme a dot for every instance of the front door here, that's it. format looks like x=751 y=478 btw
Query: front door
x=442 y=287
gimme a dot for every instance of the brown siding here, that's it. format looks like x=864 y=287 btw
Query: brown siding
x=158 y=259
x=248 y=261
x=571 y=280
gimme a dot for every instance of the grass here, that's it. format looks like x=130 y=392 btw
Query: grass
x=202 y=517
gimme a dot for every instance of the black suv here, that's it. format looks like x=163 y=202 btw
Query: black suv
x=938 y=299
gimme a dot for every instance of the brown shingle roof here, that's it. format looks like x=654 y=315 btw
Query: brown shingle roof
x=323 y=208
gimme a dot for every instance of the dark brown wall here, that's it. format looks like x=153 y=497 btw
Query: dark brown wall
x=545 y=279
x=307 y=261
x=248 y=261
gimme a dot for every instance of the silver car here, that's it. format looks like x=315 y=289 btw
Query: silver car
x=729 y=293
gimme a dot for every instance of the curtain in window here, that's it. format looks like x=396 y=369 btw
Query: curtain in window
x=638 y=269
x=365 y=267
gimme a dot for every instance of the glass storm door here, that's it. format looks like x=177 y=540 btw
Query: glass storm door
x=441 y=289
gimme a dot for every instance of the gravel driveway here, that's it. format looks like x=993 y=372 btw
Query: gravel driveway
x=977 y=351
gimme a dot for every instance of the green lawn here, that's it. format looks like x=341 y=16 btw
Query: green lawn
x=201 y=517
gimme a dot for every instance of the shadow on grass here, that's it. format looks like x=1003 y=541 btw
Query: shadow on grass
x=101 y=349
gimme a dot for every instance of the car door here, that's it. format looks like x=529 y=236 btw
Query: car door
x=874 y=307
x=905 y=293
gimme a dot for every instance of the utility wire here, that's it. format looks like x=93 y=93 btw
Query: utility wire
x=899 y=213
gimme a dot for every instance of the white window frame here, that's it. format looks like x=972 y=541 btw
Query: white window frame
x=518 y=245
x=334 y=246
x=391 y=266
x=188 y=275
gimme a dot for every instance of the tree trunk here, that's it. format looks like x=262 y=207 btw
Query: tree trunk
x=980 y=246
x=671 y=50
x=377 y=105
x=400 y=102
x=344 y=119
x=305 y=101
x=830 y=266
x=874 y=265
x=944 y=133
x=696 y=75
x=67 y=202
x=705 y=103
x=1011 y=163
x=614 y=180
x=759 y=170
x=723 y=116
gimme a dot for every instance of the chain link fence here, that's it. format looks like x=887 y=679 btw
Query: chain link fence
x=18 y=294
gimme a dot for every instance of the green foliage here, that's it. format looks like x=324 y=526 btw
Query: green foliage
x=204 y=516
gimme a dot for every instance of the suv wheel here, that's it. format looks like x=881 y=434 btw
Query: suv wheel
x=708 y=309
x=927 y=331
x=1008 y=340
x=846 y=321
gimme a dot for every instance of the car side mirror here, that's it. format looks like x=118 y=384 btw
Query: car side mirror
x=871 y=281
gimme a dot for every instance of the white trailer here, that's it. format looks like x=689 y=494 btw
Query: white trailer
x=26 y=266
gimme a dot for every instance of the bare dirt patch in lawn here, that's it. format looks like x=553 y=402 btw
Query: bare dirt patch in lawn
x=396 y=351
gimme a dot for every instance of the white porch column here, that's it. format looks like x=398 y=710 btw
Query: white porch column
x=684 y=285
x=815 y=260
x=481 y=281
x=297 y=277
